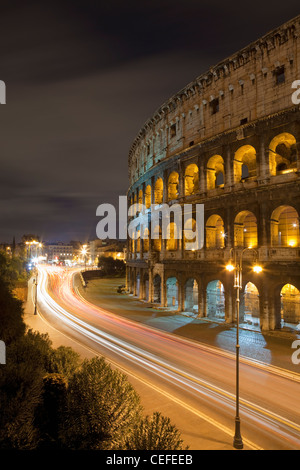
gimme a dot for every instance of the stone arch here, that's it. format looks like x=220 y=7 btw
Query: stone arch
x=250 y=305
x=146 y=240
x=282 y=154
x=173 y=183
x=215 y=172
x=158 y=191
x=172 y=292
x=138 y=241
x=285 y=227
x=190 y=232
x=244 y=165
x=290 y=305
x=215 y=300
x=157 y=238
x=172 y=237
x=141 y=197
x=214 y=228
x=191 y=295
x=245 y=230
x=191 y=179
x=148 y=196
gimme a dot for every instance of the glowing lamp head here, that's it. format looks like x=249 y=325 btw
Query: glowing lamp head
x=230 y=267
x=257 y=269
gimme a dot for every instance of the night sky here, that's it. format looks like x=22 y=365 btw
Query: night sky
x=82 y=77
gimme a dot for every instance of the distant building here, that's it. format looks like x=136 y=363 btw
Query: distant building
x=58 y=252
x=107 y=248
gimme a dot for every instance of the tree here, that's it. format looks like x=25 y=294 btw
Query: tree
x=111 y=266
x=49 y=412
x=63 y=360
x=21 y=387
x=12 y=269
x=101 y=406
x=12 y=325
x=153 y=433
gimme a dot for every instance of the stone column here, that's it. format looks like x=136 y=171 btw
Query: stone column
x=163 y=296
x=180 y=296
x=134 y=281
x=230 y=302
x=263 y=226
x=264 y=310
x=298 y=156
x=150 y=272
x=228 y=168
x=165 y=188
x=201 y=300
x=229 y=228
x=263 y=164
x=202 y=179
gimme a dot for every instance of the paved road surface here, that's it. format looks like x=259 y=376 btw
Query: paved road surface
x=200 y=378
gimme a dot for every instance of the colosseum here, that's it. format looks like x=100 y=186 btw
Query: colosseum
x=229 y=140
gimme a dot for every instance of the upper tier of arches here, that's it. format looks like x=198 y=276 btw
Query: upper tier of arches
x=216 y=171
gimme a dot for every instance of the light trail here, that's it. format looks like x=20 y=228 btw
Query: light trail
x=281 y=428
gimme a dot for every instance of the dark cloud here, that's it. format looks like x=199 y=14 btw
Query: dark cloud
x=82 y=77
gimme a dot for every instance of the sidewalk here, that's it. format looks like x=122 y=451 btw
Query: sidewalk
x=272 y=348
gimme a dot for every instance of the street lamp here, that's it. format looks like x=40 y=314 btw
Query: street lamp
x=35 y=301
x=237 y=268
x=84 y=253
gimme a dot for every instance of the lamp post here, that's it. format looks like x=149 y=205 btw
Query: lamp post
x=35 y=300
x=84 y=253
x=237 y=268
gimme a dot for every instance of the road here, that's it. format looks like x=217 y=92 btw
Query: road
x=200 y=377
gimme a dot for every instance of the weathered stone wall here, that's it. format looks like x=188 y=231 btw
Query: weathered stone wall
x=247 y=86
x=240 y=157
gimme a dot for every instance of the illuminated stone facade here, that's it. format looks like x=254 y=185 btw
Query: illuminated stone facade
x=229 y=140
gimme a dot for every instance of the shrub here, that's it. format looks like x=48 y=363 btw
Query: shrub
x=153 y=433
x=101 y=405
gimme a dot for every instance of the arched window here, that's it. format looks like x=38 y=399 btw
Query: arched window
x=282 y=154
x=290 y=305
x=285 y=227
x=191 y=179
x=158 y=191
x=172 y=237
x=215 y=172
x=157 y=238
x=190 y=233
x=172 y=292
x=244 y=163
x=215 y=236
x=215 y=300
x=249 y=310
x=173 y=182
x=148 y=196
x=191 y=296
x=146 y=240
x=245 y=230
x=140 y=196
